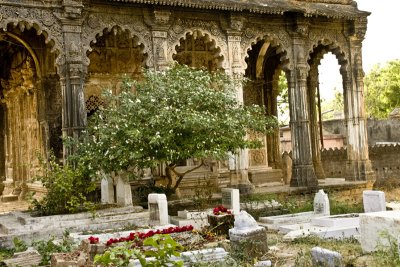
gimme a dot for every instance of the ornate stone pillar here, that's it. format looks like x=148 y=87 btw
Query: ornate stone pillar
x=239 y=165
x=273 y=140
x=312 y=83
x=303 y=170
x=358 y=163
x=72 y=72
x=160 y=25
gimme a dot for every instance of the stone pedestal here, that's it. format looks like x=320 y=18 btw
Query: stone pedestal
x=247 y=237
x=158 y=208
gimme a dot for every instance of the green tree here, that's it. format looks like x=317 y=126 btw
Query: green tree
x=332 y=106
x=169 y=117
x=382 y=85
x=283 y=100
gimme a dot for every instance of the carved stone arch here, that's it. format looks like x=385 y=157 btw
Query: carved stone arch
x=97 y=24
x=209 y=46
x=334 y=41
x=209 y=29
x=43 y=21
x=29 y=49
x=324 y=46
x=278 y=39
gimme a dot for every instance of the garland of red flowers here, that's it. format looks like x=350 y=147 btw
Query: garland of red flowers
x=143 y=235
x=219 y=210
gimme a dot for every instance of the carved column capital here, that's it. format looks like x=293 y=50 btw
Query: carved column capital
x=72 y=8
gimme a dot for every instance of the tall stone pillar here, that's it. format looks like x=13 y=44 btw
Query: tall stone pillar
x=72 y=72
x=358 y=163
x=312 y=83
x=160 y=25
x=303 y=170
x=239 y=165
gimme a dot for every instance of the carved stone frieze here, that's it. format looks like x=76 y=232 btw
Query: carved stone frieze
x=181 y=27
x=97 y=23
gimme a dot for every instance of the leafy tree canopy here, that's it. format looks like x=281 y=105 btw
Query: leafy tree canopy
x=383 y=89
x=169 y=117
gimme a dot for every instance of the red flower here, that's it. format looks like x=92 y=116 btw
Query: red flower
x=220 y=210
x=93 y=240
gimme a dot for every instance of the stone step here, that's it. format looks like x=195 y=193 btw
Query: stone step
x=70 y=223
x=26 y=218
x=141 y=219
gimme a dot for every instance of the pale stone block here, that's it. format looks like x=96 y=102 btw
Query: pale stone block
x=325 y=257
x=321 y=203
x=231 y=199
x=263 y=264
x=374 y=201
x=107 y=190
x=377 y=228
x=124 y=193
x=158 y=208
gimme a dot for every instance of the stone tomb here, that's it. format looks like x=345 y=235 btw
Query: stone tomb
x=231 y=199
x=158 y=208
x=321 y=208
x=198 y=219
x=374 y=201
x=376 y=228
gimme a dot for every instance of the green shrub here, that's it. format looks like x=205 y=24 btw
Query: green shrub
x=160 y=247
x=66 y=186
x=49 y=247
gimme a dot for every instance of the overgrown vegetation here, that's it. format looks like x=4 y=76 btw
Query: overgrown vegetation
x=160 y=247
x=48 y=247
x=67 y=188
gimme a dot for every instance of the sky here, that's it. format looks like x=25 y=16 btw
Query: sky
x=381 y=43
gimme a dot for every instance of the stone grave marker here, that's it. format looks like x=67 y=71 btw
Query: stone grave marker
x=124 y=193
x=374 y=201
x=107 y=190
x=321 y=203
x=247 y=236
x=158 y=208
x=231 y=199
x=325 y=257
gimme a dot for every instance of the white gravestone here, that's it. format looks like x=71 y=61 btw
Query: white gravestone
x=107 y=190
x=124 y=193
x=158 y=208
x=374 y=201
x=325 y=257
x=231 y=199
x=321 y=203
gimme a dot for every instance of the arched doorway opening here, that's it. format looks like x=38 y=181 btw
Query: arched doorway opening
x=30 y=109
x=264 y=69
x=320 y=87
